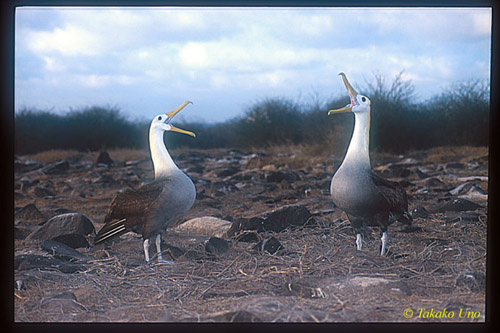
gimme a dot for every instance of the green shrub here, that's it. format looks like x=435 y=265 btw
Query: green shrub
x=92 y=128
x=458 y=116
x=268 y=122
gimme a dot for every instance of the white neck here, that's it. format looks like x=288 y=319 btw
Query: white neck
x=358 y=151
x=162 y=162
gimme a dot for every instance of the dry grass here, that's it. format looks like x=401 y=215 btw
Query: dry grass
x=296 y=156
x=200 y=287
x=117 y=286
x=54 y=155
x=452 y=153
x=128 y=154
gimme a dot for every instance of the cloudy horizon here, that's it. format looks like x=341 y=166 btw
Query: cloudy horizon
x=147 y=61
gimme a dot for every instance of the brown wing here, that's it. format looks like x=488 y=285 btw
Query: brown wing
x=393 y=193
x=128 y=209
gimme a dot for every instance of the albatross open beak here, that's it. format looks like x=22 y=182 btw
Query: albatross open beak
x=352 y=93
x=172 y=113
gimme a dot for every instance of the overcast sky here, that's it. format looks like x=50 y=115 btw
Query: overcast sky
x=147 y=61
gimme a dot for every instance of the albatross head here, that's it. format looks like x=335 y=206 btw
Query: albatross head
x=359 y=103
x=162 y=122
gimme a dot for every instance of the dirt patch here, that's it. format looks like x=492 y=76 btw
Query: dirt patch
x=317 y=275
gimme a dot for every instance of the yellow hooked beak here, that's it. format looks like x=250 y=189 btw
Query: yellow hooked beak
x=172 y=113
x=352 y=93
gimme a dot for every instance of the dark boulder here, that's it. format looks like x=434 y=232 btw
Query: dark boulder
x=247 y=237
x=25 y=166
x=104 y=158
x=56 y=168
x=217 y=246
x=457 y=205
x=29 y=213
x=33 y=261
x=419 y=211
x=74 y=241
x=281 y=218
x=42 y=192
x=279 y=176
x=62 y=251
x=270 y=245
x=276 y=220
x=69 y=223
x=473 y=281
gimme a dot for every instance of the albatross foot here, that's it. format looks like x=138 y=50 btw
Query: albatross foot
x=359 y=242
x=384 y=243
x=158 y=251
x=163 y=261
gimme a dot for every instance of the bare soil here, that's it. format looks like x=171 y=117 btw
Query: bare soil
x=317 y=276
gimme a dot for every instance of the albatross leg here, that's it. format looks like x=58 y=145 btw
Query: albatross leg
x=158 y=250
x=359 y=241
x=384 y=242
x=146 y=249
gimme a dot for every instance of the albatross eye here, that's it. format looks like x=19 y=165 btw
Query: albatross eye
x=159 y=117
x=363 y=99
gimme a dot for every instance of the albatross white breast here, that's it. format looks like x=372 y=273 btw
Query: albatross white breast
x=150 y=208
x=366 y=198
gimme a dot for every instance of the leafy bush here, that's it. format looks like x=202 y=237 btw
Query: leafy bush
x=462 y=112
x=88 y=129
x=269 y=122
x=458 y=116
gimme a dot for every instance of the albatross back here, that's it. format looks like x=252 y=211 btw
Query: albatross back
x=148 y=209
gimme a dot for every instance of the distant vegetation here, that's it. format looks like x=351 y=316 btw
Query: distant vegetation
x=457 y=116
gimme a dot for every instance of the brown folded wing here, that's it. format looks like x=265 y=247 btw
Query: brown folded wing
x=129 y=210
x=394 y=195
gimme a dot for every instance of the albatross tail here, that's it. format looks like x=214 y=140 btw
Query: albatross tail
x=111 y=230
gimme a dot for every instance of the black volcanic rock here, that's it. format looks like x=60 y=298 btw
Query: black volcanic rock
x=421 y=174
x=455 y=165
x=279 y=176
x=419 y=212
x=56 y=168
x=21 y=233
x=276 y=220
x=61 y=250
x=303 y=290
x=242 y=223
x=270 y=245
x=457 y=205
x=433 y=182
x=33 y=261
x=474 y=281
x=74 y=241
x=222 y=188
x=225 y=172
x=216 y=245
x=28 y=212
x=64 y=224
x=461 y=216
x=41 y=192
x=281 y=218
x=247 y=237
x=29 y=165
x=104 y=158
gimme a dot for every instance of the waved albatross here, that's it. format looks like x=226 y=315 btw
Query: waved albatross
x=150 y=208
x=366 y=198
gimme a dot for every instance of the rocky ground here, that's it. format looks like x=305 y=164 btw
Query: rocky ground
x=263 y=241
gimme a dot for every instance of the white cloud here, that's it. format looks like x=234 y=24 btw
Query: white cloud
x=100 y=81
x=482 y=23
x=241 y=52
x=194 y=55
x=53 y=65
x=70 y=41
